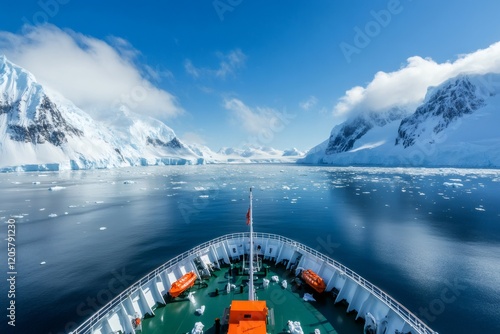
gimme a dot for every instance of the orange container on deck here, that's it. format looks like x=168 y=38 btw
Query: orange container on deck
x=247 y=317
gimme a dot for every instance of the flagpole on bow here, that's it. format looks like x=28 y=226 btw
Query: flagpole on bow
x=251 y=294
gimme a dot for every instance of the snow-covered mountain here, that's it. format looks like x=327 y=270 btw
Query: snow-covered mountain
x=41 y=130
x=253 y=154
x=456 y=125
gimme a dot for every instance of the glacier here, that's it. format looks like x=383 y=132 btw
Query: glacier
x=455 y=126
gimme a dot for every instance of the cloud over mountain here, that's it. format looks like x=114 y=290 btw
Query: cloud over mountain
x=93 y=73
x=408 y=85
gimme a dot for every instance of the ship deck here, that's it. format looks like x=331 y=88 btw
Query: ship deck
x=179 y=314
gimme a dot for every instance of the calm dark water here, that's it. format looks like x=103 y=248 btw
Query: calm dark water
x=429 y=237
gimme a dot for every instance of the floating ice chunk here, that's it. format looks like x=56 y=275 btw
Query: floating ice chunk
x=102 y=228
x=43 y=262
x=128 y=182
x=285 y=188
x=36 y=182
x=275 y=278
x=480 y=209
x=99 y=202
x=53 y=215
x=203 y=196
x=42 y=209
x=56 y=188
x=265 y=283
x=200 y=188
x=453 y=184
x=284 y=284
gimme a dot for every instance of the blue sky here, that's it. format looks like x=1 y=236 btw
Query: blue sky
x=234 y=72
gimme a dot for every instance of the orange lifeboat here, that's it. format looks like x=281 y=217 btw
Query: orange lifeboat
x=313 y=280
x=182 y=284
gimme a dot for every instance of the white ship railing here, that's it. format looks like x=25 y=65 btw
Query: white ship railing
x=403 y=312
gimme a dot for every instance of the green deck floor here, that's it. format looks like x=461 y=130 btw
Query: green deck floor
x=179 y=315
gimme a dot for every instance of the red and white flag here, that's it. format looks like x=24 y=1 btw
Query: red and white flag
x=248 y=216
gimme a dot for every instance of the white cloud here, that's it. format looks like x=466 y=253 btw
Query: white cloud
x=408 y=85
x=228 y=65
x=309 y=103
x=191 y=69
x=94 y=74
x=193 y=138
x=253 y=120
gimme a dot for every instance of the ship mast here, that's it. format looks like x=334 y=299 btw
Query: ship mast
x=250 y=283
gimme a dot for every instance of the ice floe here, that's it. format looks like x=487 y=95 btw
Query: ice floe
x=453 y=184
x=56 y=188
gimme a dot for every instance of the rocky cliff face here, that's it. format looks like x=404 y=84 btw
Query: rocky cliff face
x=46 y=125
x=445 y=105
x=344 y=136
